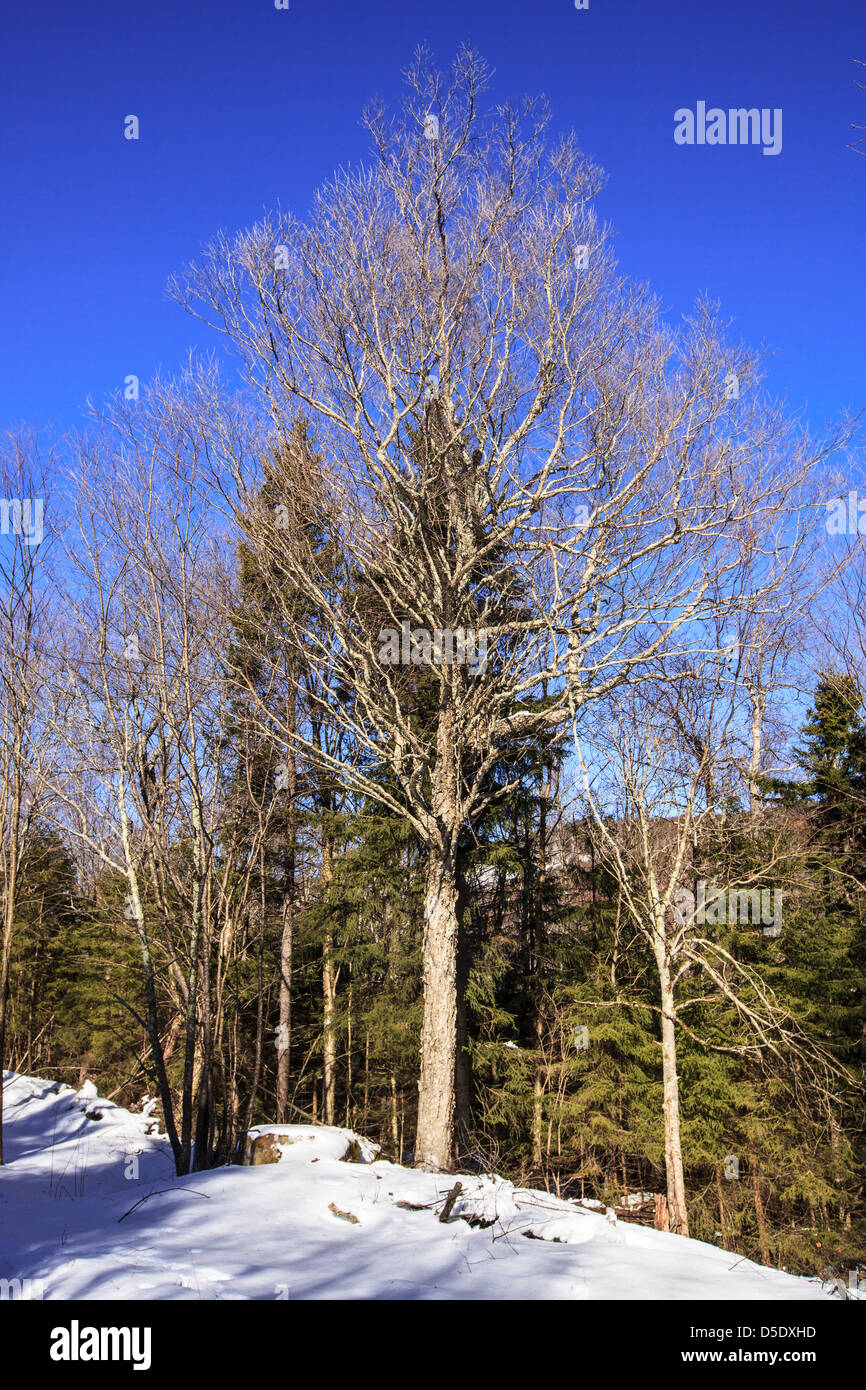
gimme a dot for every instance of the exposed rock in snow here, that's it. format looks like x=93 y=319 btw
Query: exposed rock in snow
x=268 y=1143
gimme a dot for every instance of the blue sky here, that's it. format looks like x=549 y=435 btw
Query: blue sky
x=242 y=106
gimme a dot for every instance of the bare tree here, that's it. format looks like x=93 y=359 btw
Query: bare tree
x=661 y=772
x=857 y=145
x=25 y=747
x=157 y=765
x=514 y=450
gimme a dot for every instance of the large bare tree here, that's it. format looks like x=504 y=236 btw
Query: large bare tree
x=510 y=444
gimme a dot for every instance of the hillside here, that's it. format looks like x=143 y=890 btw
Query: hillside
x=89 y=1209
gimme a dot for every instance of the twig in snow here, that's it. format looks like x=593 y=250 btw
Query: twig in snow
x=158 y=1193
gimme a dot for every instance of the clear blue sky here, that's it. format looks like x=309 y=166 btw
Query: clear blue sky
x=243 y=106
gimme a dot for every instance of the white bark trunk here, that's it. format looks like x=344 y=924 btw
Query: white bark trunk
x=285 y=1008
x=678 y=1220
x=755 y=760
x=329 y=1071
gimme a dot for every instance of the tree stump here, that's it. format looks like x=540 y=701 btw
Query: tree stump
x=660 y=1219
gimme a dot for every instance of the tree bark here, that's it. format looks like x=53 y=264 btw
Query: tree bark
x=434 y=1145
x=10 y=898
x=153 y=1025
x=759 y=1207
x=678 y=1220
x=284 y=1034
x=758 y=699
x=260 y=1012
x=329 y=991
x=538 y=1103
x=329 y=995
x=535 y=956
x=463 y=1066
x=720 y=1191
x=395 y=1129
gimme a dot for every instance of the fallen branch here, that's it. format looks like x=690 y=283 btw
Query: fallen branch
x=159 y=1193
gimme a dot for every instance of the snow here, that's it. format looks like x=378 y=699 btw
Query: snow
x=90 y=1209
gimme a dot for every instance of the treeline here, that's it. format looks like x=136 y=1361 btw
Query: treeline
x=409 y=740
x=561 y=1061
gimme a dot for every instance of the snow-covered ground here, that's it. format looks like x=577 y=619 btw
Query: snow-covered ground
x=282 y=1230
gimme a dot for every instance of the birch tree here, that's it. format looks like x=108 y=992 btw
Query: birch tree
x=662 y=772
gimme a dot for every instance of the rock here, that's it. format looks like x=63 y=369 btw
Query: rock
x=354 y=1153
x=264 y=1148
x=266 y=1143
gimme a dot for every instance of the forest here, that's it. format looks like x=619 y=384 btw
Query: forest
x=444 y=718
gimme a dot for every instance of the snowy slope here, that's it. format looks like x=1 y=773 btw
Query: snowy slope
x=271 y=1231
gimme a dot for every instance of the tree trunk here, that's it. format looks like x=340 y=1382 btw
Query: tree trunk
x=329 y=993
x=538 y=1104
x=284 y=1033
x=366 y=1080
x=203 y=1097
x=395 y=1129
x=434 y=1145
x=536 y=948
x=260 y=1018
x=192 y=1083
x=720 y=1191
x=349 y=1057
x=10 y=900
x=285 y=1005
x=156 y=1051
x=329 y=990
x=759 y=1207
x=758 y=704
x=678 y=1220
x=463 y=1066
